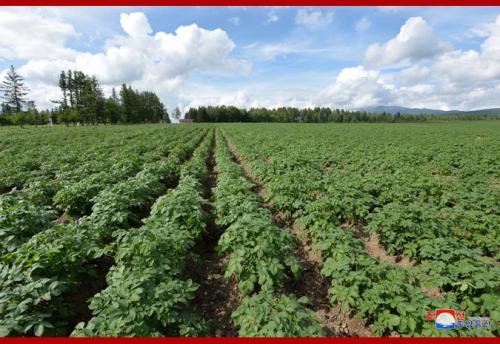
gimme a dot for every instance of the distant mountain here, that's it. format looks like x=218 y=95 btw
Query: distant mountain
x=423 y=111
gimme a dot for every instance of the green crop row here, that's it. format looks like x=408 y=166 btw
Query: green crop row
x=28 y=211
x=324 y=195
x=260 y=257
x=147 y=294
x=69 y=154
x=41 y=276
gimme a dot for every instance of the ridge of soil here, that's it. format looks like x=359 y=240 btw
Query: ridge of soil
x=312 y=284
x=216 y=297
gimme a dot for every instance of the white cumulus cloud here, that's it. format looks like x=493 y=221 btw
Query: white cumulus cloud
x=356 y=87
x=159 y=62
x=464 y=69
x=28 y=34
x=135 y=24
x=415 y=41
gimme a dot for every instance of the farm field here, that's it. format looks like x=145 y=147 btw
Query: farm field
x=249 y=229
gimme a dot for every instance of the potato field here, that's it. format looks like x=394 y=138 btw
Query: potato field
x=250 y=230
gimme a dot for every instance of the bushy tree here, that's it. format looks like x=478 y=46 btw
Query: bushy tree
x=141 y=107
x=113 y=110
x=83 y=94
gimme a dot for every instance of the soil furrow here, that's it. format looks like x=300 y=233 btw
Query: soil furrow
x=311 y=284
x=217 y=297
x=94 y=279
x=376 y=249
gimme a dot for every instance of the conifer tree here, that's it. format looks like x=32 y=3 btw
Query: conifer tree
x=14 y=91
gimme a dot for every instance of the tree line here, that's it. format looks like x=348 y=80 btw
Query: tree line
x=82 y=102
x=216 y=114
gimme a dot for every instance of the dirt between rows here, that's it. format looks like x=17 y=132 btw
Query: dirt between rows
x=312 y=284
x=8 y=189
x=94 y=279
x=334 y=320
x=376 y=250
x=91 y=283
x=217 y=297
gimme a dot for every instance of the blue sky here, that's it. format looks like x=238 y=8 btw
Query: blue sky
x=346 y=57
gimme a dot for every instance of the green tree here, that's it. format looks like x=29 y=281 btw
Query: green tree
x=113 y=109
x=14 y=90
x=141 y=107
x=5 y=109
x=22 y=119
x=85 y=96
x=177 y=113
x=64 y=85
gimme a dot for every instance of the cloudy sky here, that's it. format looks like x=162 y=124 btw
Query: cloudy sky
x=347 y=57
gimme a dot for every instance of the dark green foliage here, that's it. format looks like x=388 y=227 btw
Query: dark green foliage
x=45 y=268
x=430 y=192
x=269 y=315
x=84 y=102
x=221 y=114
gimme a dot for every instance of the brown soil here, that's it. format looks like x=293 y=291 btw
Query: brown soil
x=217 y=297
x=311 y=284
x=259 y=187
x=375 y=248
x=91 y=283
x=6 y=190
x=243 y=163
x=94 y=280
x=63 y=219
x=432 y=292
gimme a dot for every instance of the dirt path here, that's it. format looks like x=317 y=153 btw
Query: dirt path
x=217 y=297
x=311 y=284
x=376 y=249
